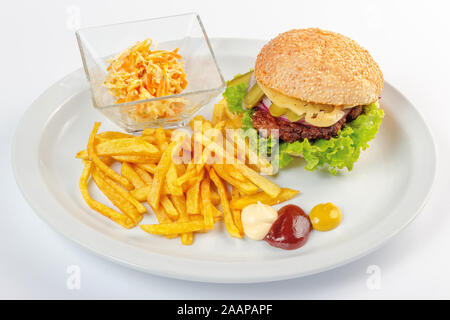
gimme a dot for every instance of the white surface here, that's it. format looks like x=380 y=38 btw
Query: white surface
x=392 y=177
x=408 y=38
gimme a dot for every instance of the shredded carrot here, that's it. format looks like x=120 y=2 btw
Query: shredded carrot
x=138 y=73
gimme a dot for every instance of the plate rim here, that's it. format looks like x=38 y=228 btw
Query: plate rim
x=187 y=275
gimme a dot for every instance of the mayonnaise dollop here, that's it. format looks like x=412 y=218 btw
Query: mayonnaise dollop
x=257 y=220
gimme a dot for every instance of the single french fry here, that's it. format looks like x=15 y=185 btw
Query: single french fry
x=236 y=212
x=124 y=193
x=205 y=194
x=169 y=208
x=108 y=135
x=83 y=154
x=228 y=217
x=161 y=140
x=193 y=199
x=128 y=172
x=120 y=202
x=145 y=176
x=115 y=216
x=158 y=178
x=171 y=181
x=187 y=238
x=173 y=228
x=101 y=165
x=284 y=195
x=127 y=146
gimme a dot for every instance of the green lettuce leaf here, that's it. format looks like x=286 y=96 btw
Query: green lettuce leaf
x=344 y=150
x=234 y=96
x=337 y=153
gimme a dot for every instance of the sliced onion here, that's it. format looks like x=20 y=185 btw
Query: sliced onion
x=266 y=102
x=262 y=106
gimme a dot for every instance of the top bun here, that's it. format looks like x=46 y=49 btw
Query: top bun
x=320 y=67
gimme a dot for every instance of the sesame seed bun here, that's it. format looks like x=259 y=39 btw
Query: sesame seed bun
x=319 y=66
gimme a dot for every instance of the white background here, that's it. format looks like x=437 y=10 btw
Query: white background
x=409 y=39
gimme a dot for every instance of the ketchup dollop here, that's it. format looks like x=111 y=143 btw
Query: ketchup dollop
x=291 y=229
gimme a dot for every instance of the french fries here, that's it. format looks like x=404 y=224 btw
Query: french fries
x=171 y=181
x=100 y=164
x=284 y=195
x=116 y=198
x=115 y=216
x=124 y=147
x=183 y=196
x=173 y=228
x=124 y=193
x=208 y=214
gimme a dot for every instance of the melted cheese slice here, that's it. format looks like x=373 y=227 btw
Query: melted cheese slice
x=319 y=115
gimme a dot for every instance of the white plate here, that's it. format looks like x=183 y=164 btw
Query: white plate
x=384 y=192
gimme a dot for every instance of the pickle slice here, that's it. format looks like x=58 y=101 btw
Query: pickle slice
x=276 y=111
x=240 y=79
x=253 y=96
x=292 y=116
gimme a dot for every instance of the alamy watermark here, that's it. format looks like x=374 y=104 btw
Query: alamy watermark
x=73 y=281
x=373 y=281
x=73 y=20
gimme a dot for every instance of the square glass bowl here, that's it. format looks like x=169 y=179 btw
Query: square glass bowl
x=186 y=32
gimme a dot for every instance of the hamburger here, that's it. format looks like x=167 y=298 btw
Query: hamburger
x=313 y=93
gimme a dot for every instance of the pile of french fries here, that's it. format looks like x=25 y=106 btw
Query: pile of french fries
x=187 y=197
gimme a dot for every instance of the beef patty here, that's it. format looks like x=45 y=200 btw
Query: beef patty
x=292 y=131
